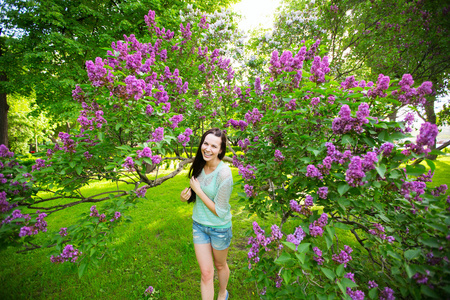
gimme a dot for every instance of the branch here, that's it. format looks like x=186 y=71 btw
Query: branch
x=444 y=145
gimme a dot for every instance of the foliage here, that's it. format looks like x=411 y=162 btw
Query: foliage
x=318 y=142
x=49 y=41
x=26 y=125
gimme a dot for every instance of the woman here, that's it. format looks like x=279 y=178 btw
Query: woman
x=211 y=184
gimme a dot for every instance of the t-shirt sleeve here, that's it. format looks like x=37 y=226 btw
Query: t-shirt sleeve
x=224 y=184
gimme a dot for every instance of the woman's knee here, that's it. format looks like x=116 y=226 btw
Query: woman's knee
x=221 y=265
x=207 y=274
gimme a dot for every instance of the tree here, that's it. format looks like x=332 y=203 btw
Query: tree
x=134 y=118
x=366 y=38
x=47 y=43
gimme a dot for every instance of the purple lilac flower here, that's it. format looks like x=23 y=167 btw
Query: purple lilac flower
x=312 y=171
x=371 y=284
x=248 y=189
x=157 y=135
x=318 y=256
x=355 y=173
x=175 y=121
x=63 y=231
x=185 y=137
x=387 y=294
x=278 y=156
x=350 y=276
x=319 y=68
x=344 y=256
x=297 y=237
x=421 y=278
x=117 y=215
x=355 y=295
x=386 y=149
x=129 y=163
x=69 y=253
x=322 y=192
x=244 y=144
x=149 y=291
x=247 y=172
x=276 y=233
x=140 y=192
x=253 y=116
x=94 y=211
x=291 y=105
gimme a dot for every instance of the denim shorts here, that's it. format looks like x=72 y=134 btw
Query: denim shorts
x=219 y=238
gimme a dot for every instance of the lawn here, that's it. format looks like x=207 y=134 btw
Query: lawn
x=155 y=249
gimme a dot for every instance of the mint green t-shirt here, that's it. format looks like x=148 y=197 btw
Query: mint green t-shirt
x=218 y=186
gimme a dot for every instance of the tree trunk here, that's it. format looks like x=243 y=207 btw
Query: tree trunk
x=4 y=107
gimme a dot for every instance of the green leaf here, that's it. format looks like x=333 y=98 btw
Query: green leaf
x=347 y=139
x=394 y=255
x=287 y=275
x=79 y=169
x=289 y=245
x=329 y=273
x=81 y=269
x=381 y=169
x=348 y=283
x=283 y=259
x=429 y=292
x=340 y=270
x=412 y=253
x=373 y=293
x=431 y=164
x=416 y=170
x=301 y=257
x=342 y=226
x=408 y=270
x=343 y=188
x=72 y=164
x=303 y=247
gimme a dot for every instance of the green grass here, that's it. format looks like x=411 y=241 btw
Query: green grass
x=155 y=249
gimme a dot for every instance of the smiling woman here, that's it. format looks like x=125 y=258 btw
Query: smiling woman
x=211 y=184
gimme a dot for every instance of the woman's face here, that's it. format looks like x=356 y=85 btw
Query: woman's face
x=211 y=148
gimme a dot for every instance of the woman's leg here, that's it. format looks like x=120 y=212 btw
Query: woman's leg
x=205 y=261
x=223 y=272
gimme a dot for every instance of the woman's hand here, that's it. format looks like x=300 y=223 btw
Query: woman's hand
x=185 y=194
x=195 y=185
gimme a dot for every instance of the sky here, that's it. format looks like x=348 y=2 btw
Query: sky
x=256 y=12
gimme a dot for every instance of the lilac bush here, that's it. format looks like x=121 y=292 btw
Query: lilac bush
x=325 y=159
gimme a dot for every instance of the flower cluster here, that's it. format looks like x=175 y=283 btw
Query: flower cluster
x=319 y=68
x=297 y=237
x=116 y=216
x=346 y=123
x=69 y=253
x=248 y=189
x=16 y=214
x=312 y=171
x=184 y=137
x=237 y=124
x=322 y=192
x=379 y=232
x=344 y=256
x=40 y=225
x=140 y=192
x=409 y=95
x=247 y=172
x=262 y=241
x=316 y=228
x=63 y=231
x=318 y=256
x=381 y=86
x=253 y=116
x=427 y=136
x=302 y=209
x=157 y=135
x=175 y=120
x=244 y=144
x=149 y=291
x=128 y=164
x=278 y=156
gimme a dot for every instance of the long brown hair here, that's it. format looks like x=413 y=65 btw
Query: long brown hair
x=199 y=162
